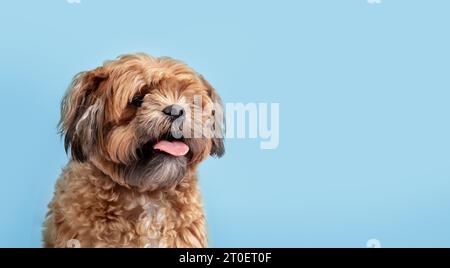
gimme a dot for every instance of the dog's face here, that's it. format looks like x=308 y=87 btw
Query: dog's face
x=146 y=120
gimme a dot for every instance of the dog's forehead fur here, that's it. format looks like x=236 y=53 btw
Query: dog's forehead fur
x=132 y=74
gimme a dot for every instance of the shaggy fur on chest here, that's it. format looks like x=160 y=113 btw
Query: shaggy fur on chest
x=96 y=211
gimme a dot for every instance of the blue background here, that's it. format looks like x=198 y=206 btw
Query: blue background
x=364 y=106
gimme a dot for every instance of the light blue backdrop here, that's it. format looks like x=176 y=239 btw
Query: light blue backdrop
x=364 y=94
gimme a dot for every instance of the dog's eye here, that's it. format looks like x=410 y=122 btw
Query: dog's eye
x=137 y=100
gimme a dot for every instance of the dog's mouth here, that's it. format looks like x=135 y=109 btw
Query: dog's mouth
x=160 y=162
x=169 y=145
x=175 y=147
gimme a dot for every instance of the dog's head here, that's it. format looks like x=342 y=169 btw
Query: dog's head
x=144 y=121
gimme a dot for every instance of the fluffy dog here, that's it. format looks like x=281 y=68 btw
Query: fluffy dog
x=131 y=180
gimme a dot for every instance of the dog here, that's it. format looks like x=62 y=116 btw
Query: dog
x=131 y=180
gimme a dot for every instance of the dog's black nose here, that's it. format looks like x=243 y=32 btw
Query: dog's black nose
x=174 y=111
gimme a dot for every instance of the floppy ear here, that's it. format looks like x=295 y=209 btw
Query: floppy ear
x=218 y=147
x=82 y=114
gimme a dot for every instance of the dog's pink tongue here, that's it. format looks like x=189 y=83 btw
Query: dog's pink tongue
x=175 y=148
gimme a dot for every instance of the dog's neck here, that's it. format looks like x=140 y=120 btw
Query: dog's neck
x=109 y=170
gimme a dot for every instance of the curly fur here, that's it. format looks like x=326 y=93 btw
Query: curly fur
x=116 y=191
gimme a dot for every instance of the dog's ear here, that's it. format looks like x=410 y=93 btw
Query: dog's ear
x=82 y=113
x=218 y=147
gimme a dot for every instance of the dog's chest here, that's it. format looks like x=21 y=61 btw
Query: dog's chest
x=151 y=223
